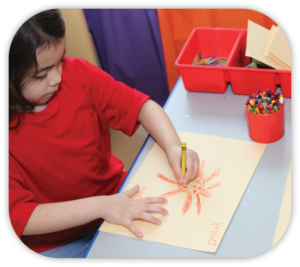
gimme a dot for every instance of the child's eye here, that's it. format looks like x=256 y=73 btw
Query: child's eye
x=41 y=77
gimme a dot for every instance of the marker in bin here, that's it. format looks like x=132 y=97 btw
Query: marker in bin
x=264 y=102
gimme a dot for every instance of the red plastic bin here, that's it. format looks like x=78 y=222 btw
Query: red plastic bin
x=267 y=128
x=246 y=81
x=231 y=44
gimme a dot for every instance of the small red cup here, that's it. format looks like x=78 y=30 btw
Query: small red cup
x=266 y=128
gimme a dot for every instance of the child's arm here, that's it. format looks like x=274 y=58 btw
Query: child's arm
x=117 y=209
x=158 y=125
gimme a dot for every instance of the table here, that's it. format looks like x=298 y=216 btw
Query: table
x=252 y=228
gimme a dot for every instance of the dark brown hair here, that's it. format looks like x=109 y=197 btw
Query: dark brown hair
x=41 y=30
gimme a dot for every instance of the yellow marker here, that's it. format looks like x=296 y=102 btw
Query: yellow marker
x=183 y=158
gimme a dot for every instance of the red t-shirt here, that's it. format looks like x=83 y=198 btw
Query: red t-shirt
x=64 y=153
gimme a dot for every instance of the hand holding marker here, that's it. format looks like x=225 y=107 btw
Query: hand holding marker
x=264 y=102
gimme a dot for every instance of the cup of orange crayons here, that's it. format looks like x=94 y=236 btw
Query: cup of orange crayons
x=265 y=116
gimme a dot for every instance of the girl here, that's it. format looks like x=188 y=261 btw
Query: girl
x=63 y=179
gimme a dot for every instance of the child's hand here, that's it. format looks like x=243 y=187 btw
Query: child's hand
x=192 y=164
x=121 y=209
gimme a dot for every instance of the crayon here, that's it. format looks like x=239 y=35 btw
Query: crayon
x=267 y=107
x=255 y=108
x=278 y=104
x=275 y=107
x=248 y=105
x=271 y=110
x=272 y=97
x=259 y=98
x=273 y=101
x=252 y=65
x=264 y=102
x=269 y=102
x=250 y=98
x=252 y=110
x=281 y=99
x=261 y=108
x=183 y=159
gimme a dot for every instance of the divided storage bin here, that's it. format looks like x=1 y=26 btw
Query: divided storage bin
x=230 y=44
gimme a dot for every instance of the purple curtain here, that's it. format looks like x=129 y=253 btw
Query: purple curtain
x=129 y=46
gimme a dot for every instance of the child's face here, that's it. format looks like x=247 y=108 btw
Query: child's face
x=40 y=89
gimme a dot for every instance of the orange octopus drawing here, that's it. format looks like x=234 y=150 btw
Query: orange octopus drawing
x=198 y=189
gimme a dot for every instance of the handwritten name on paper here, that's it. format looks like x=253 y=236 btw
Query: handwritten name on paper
x=212 y=240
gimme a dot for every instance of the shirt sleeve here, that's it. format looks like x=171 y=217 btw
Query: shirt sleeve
x=119 y=103
x=21 y=201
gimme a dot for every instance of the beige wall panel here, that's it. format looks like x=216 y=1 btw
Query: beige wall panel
x=79 y=43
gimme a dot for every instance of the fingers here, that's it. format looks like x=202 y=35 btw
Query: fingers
x=148 y=218
x=131 y=227
x=174 y=157
x=155 y=209
x=131 y=192
x=189 y=173
x=177 y=170
x=192 y=166
x=124 y=210
x=146 y=206
x=178 y=174
x=149 y=204
x=140 y=215
x=153 y=200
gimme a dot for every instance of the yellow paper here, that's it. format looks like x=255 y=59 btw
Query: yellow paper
x=265 y=51
x=198 y=215
x=280 y=48
x=285 y=209
x=257 y=37
x=270 y=39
